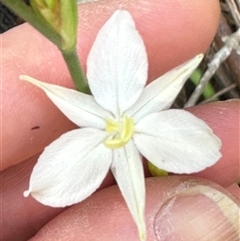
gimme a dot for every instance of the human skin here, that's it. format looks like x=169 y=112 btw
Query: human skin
x=173 y=32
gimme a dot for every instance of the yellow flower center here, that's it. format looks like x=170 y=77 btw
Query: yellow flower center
x=121 y=132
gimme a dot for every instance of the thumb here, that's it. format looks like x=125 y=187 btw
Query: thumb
x=177 y=208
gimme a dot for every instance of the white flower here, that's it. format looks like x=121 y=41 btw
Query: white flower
x=120 y=122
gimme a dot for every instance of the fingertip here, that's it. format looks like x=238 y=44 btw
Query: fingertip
x=223 y=118
x=173 y=31
x=176 y=207
x=195 y=212
x=234 y=189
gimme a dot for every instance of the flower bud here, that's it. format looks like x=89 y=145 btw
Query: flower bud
x=61 y=15
x=155 y=171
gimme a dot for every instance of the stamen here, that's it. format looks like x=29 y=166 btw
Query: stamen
x=122 y=132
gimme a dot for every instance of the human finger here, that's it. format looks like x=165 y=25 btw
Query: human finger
x=234 y=190
x=173 y=31
x=22 y=217
x=15 y=179
x=223 y=117
x=176 y=208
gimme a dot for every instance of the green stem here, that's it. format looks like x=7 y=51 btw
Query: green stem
x=76 y=71
x=70 y=57
x=208 y=90
x=26 y=13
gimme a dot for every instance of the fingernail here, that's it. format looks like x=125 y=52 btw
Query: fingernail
x=198 y=213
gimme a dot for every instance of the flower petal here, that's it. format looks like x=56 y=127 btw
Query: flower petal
x=127 y=169
x=117 y=64
x=177 y=141
x=160 y=94
x=71 y=168
x=80 y=108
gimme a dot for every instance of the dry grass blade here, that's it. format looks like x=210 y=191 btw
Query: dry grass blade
x=224 y=61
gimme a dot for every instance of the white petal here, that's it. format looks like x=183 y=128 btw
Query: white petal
x=71 y=168
x=177 y=141
x=80 y=108
x=160 y=94
x=117 y=64
x=127 y=169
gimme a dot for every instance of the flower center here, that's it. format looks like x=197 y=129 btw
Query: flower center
x=121 y=132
